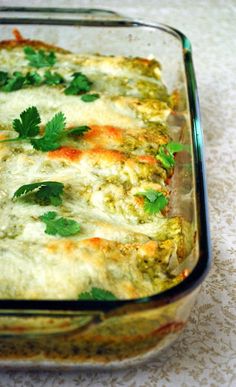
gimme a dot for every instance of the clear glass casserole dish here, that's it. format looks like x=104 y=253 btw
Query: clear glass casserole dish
x=114 y=333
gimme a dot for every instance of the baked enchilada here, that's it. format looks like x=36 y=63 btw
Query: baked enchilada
x=87 y=158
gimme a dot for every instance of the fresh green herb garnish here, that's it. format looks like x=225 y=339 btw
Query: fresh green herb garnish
x=54 y=133
x=3 y=78
x=14 y=83
x=44 y=192
x=79 y=84
x=154 y=201
x=28 y=127
x=28 y=124
x=167 y=159
x=90 y=97
x=53 y=78
x=56 y=225
x=17 y=80
x=33 y=78
x=98 y=294
x=78 y=130
x=174 y=147
x=166 y=153
x=39 y=58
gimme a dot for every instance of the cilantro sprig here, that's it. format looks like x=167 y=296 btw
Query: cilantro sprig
x=53 y=78
x=80 y=84
x=56 y=225
x=44 y=193
x=39 y=58
x=18 y=80
x=166 y=153
x=15 y=82
x=33 y=78
x=54 y=133
x=154 y=201
x=27 y=126
x=97 y=294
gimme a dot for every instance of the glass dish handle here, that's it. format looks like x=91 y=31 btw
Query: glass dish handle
x=26 y=324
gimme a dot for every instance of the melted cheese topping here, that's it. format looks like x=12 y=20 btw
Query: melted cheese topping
x=126 y=112
x=120 y=248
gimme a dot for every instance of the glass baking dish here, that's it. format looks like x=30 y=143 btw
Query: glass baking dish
x=115 y=333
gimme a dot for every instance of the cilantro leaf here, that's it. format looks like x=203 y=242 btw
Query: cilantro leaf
x=54 y=132
x=78 y=130
x=39 y=58
x=167 y=159
x=56 y=225
x=33 y=78
x=28 y=127
x=90 y=97
x=18 y=80
x=3 y=78
x=158 y=205
x=150 y=194
x=53 y=78
x=154 y=201
x=166 y=153
x=14 y=83
x=28 y=124
x=98 y=294
x=45 y=192
x=174 y=147
x=79 y=84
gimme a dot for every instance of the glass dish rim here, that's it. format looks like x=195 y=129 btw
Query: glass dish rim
x=204 y=261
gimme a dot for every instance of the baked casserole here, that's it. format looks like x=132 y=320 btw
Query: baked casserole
x=87 y=164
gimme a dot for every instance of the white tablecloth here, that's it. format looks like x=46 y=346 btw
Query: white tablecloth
x=205 y=353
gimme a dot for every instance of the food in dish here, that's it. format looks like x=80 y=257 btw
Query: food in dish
x=87 y=158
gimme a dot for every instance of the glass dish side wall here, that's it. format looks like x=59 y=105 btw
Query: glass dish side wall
x=130 y=331
x=122 y=339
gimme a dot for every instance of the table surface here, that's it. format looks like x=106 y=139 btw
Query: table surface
x=205 y=353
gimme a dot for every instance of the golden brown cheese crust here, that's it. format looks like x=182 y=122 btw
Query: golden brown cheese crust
x=37 y=44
